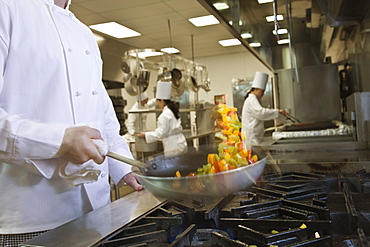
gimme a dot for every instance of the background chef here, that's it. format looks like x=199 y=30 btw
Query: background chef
x=132 y=122
x=253 y=114
x=169 y=127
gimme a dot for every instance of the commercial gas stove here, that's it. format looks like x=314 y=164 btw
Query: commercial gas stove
x=288 y=209
x=296 y=202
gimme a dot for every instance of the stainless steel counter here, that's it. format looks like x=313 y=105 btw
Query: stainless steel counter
x=98 y=224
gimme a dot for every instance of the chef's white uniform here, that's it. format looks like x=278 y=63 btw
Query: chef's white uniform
x=169 y=130
x=50 y=79
x=253 y=117
x=132 y=121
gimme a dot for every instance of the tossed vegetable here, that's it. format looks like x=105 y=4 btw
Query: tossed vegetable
x=232 y=152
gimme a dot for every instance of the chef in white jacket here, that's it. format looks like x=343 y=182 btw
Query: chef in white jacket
x=169 y=127
x=52 y=104
x=253 y=114
x=132 y=121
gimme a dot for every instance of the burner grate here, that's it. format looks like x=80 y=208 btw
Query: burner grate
x=290 y=209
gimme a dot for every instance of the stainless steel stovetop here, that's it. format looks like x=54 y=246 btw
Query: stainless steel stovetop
x=328 y=192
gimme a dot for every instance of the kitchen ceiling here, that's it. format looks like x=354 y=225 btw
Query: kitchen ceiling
x=151 y=18
x=323 y=24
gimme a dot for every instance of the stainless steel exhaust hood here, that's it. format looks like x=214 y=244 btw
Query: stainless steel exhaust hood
x=315 y=26
x=344 y=12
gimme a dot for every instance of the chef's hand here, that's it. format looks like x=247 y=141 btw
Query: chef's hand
x=283 y=112
x=77 y=146
x=131 y=180
x=141 y=135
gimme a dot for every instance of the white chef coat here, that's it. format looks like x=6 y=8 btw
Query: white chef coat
x=132 y=121
x=253 y=117
x=50 y=79
x=169 y=130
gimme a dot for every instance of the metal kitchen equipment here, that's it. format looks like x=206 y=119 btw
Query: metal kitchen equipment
x=160 y=178
x=103 y=150
x=291 y=118
x=142 y=146
x=327 y=192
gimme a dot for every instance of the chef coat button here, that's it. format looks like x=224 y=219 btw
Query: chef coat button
x=78 y=94
x=87 y=52
x=103 y=174
x=71 y=15
x=94 y=92
x=70 y=49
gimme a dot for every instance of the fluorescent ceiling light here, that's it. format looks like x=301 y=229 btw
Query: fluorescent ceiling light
x=221 y=6
x=114 y=29
x=204 y=21
x=264 y=1
x=170 y=50
x=246 y=35
x=145 y=53
x=229 y=42
x=271 y=18
x=280 y=31
x=255 y=44
x=283 y=41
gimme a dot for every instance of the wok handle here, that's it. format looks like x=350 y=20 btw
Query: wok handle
x=103 y=150
x=290 y=117
x=127 y=160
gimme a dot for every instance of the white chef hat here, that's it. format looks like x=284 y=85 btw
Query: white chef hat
x=163 y=90
x=143 y=96
x=260 y=80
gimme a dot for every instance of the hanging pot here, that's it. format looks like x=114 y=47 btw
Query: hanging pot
x=180 y=90
x=191 y=84
x=125 y=66
x=176 y=76
x=126 y=77
x=143 y=79
x=173 y=75
x=131 y=86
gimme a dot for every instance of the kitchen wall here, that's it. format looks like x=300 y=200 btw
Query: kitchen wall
x=221 y=70
x=356 y=50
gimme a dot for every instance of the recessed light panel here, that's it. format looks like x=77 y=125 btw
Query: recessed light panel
x=204 y=21
x=280 y=31
x=116 y=30
x=264 y=1
x=283 y=41
x=246 y=35
x=229 y=42
x=255 y=44
x=221 y=6
x=170 y=50
x=271 y=18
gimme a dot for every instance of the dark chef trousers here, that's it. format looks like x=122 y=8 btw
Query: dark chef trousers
x=14 y=240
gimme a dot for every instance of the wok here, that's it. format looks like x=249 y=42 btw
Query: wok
x=159 y=178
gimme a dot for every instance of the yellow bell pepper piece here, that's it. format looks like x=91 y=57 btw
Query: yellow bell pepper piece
x=303 y=226
x=227 y=156
x=211 y=158
x=212 y=170
x=255 y=158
